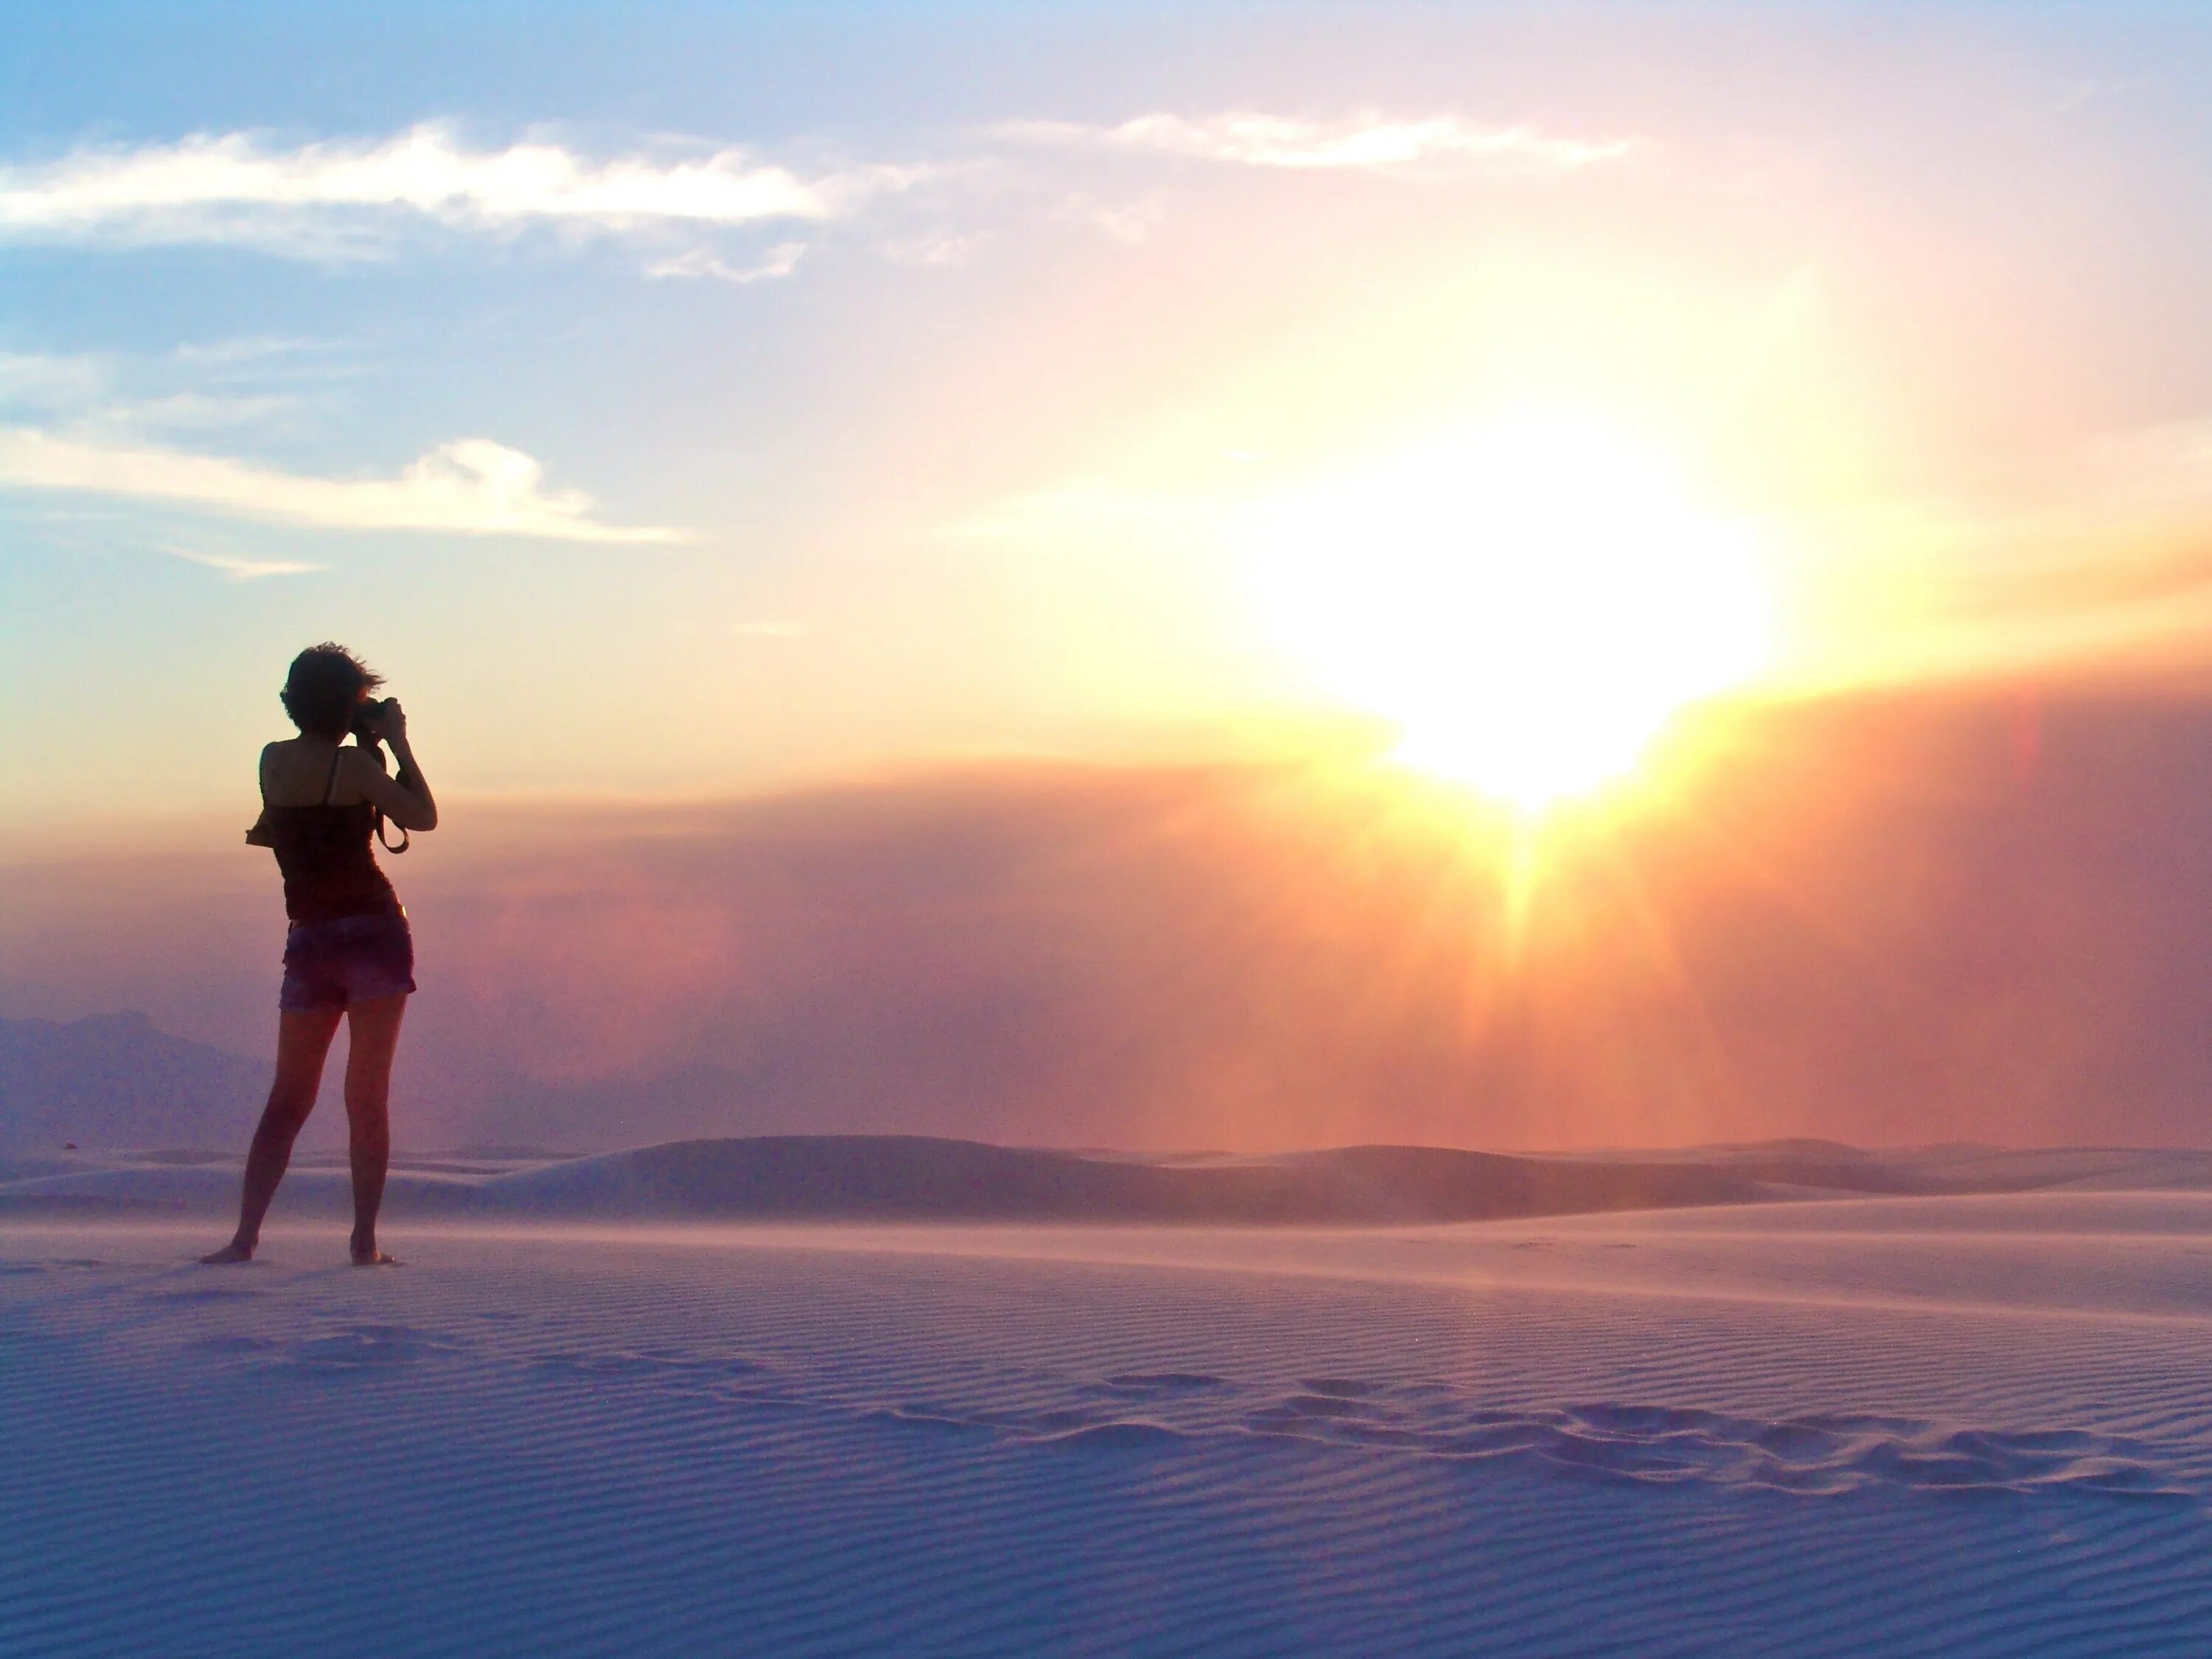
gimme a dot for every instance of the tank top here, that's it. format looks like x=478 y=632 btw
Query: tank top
x=324 y=853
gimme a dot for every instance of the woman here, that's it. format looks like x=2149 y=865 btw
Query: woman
x=348 y=952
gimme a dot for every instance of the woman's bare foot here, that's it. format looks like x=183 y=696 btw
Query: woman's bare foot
x=237 y=1250
x=373 y=1257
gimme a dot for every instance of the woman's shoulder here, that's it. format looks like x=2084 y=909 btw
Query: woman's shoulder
x=356 y=764
x=296 y=773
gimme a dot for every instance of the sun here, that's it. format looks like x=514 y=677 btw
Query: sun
x=1530 y=603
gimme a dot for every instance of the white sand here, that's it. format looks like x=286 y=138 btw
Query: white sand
x=1952 y=1425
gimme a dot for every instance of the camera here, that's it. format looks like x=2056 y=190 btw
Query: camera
x=372 y=709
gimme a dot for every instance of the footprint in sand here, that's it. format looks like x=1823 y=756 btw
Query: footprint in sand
x=368 y=1347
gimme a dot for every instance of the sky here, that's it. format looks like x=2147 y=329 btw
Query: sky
x=688 y=406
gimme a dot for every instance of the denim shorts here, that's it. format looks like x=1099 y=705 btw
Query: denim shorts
x=329 y=964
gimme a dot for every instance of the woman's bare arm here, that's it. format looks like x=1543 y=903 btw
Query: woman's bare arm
x=406 y=799
x=259 y=835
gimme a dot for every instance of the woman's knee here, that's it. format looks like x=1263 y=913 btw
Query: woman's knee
x=292 y=1097
x=285 y=1115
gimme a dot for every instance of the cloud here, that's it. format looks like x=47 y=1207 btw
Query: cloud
x=117 y=396
x=198 y=410
x=1367 y=143
x=329 y=198
x=2093 y=559
x=242 y=569
x=780 y=261
x=2080 y=94
x=248 y=349
x=46 y=381
x=942 y=249
x=472 y=486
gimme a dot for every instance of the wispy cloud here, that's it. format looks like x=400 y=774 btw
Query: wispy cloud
x=780 y=261
x=35 y=379
x=251 y=349
x=338 y=198
x=113 y=396
x=332 y=198
x=1368 y=143
x=472 y=487
x=201 y=411
x=938 y=250
x=2080 y=94
x=240 y=568
x=2094 y=558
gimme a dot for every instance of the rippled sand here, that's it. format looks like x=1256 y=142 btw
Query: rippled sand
x=1934 y=1425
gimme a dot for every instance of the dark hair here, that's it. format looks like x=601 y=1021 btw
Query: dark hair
x=324 y=683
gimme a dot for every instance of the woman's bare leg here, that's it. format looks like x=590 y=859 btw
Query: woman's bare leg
x=302 y=1041
x=374 y=1035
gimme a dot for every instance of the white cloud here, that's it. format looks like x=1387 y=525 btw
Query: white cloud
x=324 y=198
x=248 y=349
x=1369 y=143
x=942 y=250
x=472 y=486
x=45 y=381
x=780 y=261
x=114 y=396
x=241 y=569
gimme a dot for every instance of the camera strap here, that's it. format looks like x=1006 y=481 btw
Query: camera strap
x=383 y=839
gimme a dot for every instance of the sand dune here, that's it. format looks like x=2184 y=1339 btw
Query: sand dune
x=1957 y=1427
x=907 y=1177
x=920 y=1178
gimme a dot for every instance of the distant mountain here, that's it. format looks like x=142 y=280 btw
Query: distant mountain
x=114 y=1080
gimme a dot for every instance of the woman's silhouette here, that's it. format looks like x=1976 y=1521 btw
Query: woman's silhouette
x=348 y=951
